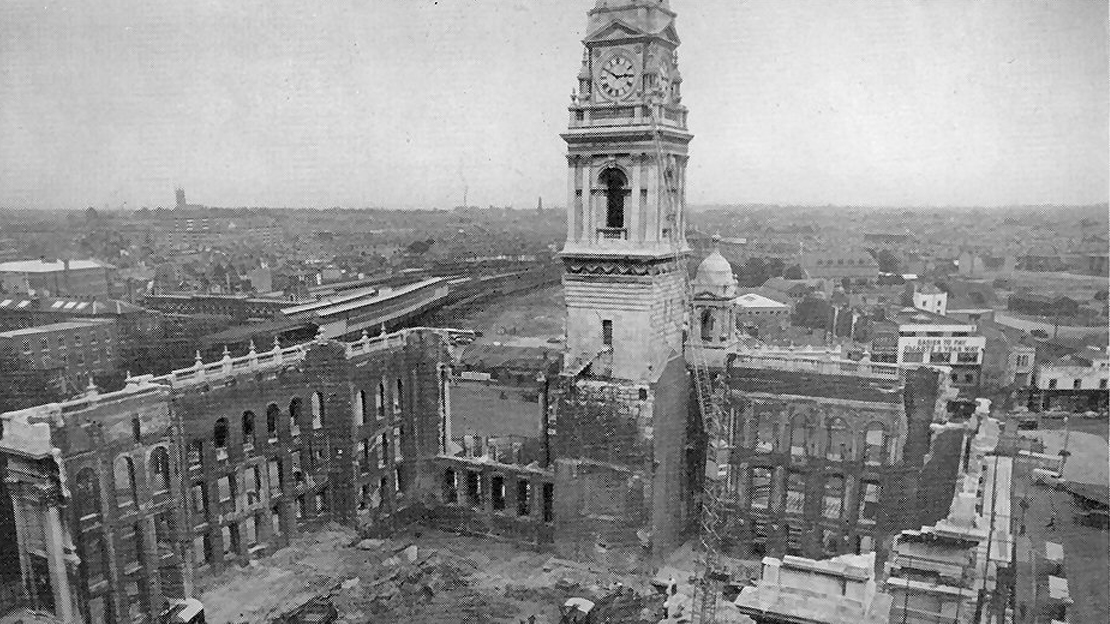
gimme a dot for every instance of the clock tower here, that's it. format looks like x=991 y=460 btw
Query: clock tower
x=626 y=171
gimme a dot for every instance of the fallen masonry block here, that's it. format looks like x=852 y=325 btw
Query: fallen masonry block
x=371 y=544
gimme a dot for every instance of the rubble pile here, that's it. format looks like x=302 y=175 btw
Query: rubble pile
x=405 y=579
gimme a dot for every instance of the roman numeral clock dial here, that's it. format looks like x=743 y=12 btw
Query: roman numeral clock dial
x=617 y=76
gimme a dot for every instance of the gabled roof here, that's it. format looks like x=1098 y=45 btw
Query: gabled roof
x=616 y=29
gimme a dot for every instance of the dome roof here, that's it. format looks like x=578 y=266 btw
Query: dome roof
x=715 y=271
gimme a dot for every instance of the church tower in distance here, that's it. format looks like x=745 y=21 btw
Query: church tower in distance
x=626 y=173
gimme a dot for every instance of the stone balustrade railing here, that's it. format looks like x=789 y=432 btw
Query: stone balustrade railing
x=820 y=366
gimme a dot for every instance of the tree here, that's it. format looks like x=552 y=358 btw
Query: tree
x=888 y=261
x=793 y=272
x=754 y=272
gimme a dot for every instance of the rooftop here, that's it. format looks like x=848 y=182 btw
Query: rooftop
x=816 y=385
x=753 y=300
x=39 y=266
x=106 y=306
x=53 y=327
x=915 y=316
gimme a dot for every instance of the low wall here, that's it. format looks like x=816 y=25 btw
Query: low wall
x=480 y=497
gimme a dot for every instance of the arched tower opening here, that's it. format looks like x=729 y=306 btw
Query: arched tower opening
x=615 y=184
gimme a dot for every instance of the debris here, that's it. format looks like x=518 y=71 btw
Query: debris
x=350 y=583
x=410 y=553
x=371 y=544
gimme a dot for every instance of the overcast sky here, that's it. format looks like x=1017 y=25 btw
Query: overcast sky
x=403 y=103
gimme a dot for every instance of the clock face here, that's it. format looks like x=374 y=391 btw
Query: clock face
x=617 y=76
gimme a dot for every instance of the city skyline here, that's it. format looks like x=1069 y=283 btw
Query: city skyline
x=406 y=105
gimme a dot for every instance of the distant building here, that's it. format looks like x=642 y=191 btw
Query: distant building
x=238 y=307
x=931 y=299
x=80 y=350
x=209 y=230
x=970 y=300
x=1042 y=305
x=72 y=278
x=1008 y=357
x=798 y=289
x=1074 y=382
x=25 y=311
x=914 y=336
x=889 y=238
x=858 y=267
x=1097 y=264
x=753 y=310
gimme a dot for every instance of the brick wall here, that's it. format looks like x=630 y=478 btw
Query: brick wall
x=671 y=486
x=481 y=498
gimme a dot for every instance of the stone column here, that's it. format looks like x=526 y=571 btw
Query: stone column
x=633 y=206
x=652 y=232
x=56 y=560
x=680 y=200
x=589 y=219
x=21 y=509
x=572 y=177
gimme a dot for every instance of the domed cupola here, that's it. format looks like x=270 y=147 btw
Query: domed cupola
x=714 y=275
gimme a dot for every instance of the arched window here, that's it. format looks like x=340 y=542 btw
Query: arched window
x=295 y=407
x=398 y=398
x=381 y=401
x=360 y=407
x=317 y=410
x=272 y=413
x=614 y=182
x=834 y=497
x=874 y=442
x=124 y=479
x=765 y=431
x=219 y=437
x=248 y=429
x=801 y=434
x=160 y=469
x=839 y=441
x=88 y=494
x=707 y=325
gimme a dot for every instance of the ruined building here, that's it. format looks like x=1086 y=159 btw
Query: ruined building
x=831 y=458
x=112 y=504
x=119 y=500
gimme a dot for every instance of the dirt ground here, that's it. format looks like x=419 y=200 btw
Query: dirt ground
x=538 y=314
x=445 y=578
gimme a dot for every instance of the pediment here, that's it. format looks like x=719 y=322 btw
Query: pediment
x=670 y=34
x=614 y=30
